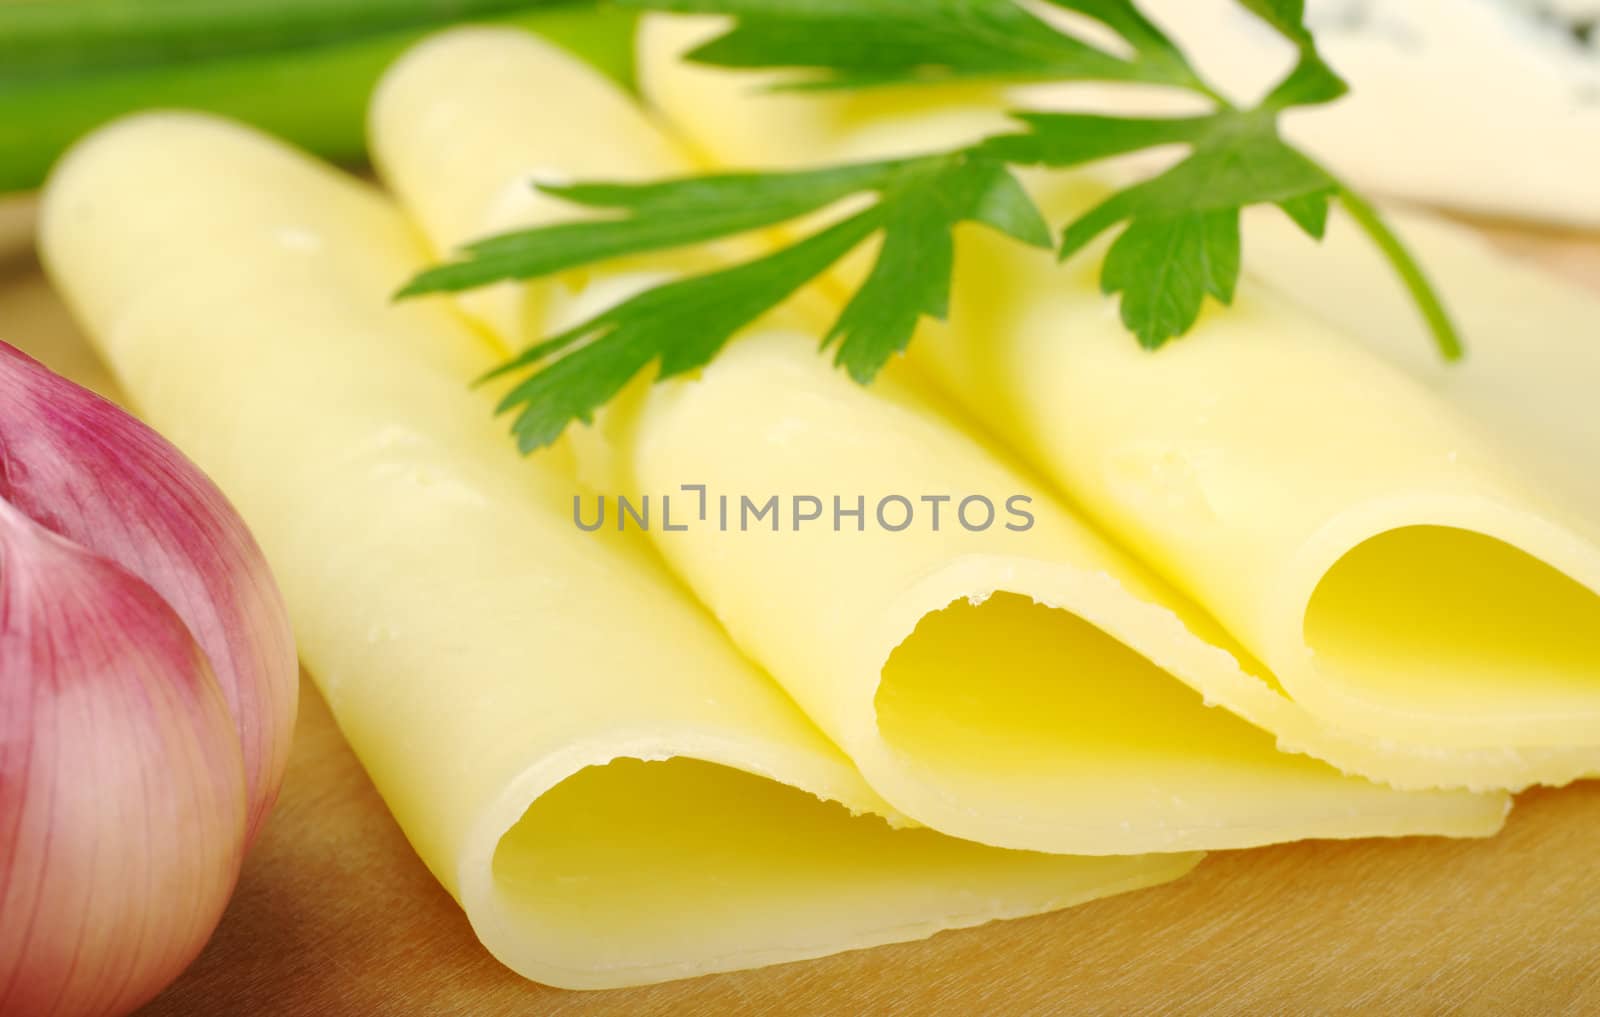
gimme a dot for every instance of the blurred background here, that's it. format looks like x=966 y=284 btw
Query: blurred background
x=301 y=69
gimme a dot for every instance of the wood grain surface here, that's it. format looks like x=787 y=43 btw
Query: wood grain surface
x=336 y=916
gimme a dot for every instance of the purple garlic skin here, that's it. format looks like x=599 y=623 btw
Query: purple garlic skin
x=122 y=790
x=83 y=468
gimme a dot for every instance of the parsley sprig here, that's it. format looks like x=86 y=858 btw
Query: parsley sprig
x=1180 y=238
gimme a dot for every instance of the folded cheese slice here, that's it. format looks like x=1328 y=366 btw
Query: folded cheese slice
x=994 y=676
x=611 y=792
x=1534 y=363
x=1423 y=593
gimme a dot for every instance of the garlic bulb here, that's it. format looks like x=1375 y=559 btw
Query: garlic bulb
x=86 y=470
x=147 y=695
x=121 y=783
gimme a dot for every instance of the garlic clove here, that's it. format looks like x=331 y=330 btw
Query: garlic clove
x=122 y=784
x=85 y=469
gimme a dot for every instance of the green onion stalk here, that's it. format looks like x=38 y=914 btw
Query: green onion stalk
x=301 y=69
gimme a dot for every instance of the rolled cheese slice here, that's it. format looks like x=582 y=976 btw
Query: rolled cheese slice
x=1403 y=574
x=610 y=791
x=1424 y=595
x=1534 y=363
x=994 y=676
x=736 y=119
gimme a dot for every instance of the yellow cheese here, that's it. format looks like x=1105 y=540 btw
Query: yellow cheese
x=1408 y=581
x=1426 y=601
x=1533 y=364
x=611 y=792
x=1004 y=685
x=734 y=120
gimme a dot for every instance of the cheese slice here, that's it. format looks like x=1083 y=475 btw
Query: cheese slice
x=1405 y=576
x=1426 y=604
x=737 y=120
x=1533 y=340
x=582 y=759
x=995 y=678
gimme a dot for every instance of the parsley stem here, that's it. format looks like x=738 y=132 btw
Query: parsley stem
x=1422 y=290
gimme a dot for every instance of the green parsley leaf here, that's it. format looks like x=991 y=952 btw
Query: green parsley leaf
x=1312 y=81
x=855 y=44
x=1179 y=243
x=1152 y=46
x=1165 y=265
x=1309 y=212
x=913 y=274
x=657 y=216
x=1182 y=237
x=1287 y=16
x=1065 y=140
x=679 y=326
x=682 y=325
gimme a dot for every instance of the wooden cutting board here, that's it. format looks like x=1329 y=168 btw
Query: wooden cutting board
x=335 y=915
